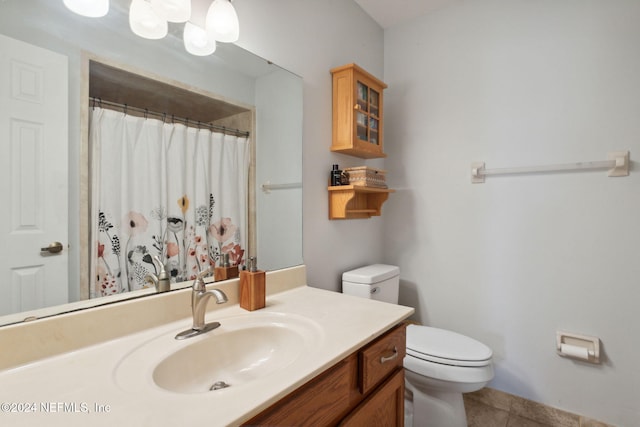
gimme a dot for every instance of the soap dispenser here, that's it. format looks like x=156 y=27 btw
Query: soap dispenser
x=225 y=270
x=252 y=287
x=162 y=281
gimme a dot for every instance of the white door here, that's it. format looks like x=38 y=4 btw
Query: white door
x=33 y=176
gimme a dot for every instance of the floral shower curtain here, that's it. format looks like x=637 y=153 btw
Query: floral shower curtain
x=167 y=190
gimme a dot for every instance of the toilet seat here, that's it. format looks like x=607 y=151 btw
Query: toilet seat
x=446 y=347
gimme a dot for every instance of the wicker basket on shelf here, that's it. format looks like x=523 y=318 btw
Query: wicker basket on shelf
x=367 y=177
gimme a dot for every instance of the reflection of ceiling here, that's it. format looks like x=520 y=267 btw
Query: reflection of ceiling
x=226 y=55
x=391 y=12
x=52 y=14
x=116 y=85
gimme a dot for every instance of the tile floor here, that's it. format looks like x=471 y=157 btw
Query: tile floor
x=493 y=408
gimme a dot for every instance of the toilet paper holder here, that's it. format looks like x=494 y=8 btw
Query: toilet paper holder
x=579 y=347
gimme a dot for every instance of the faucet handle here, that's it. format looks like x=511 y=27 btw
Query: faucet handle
x=162 y=274
x=198 y=284
x=204 y=273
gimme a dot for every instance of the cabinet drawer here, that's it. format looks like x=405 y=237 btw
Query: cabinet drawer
x=380 y=358
x=383 y=408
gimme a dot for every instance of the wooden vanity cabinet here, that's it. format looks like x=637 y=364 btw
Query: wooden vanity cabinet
x=364 y=389
x=357 y=112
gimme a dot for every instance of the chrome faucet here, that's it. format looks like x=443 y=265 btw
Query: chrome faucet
x=162 y=281
x=199 y=299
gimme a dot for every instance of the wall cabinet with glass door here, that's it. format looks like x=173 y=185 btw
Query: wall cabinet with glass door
x=357 y=112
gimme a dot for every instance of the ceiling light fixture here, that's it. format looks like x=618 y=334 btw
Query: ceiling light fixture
x=149 y=19
x=88 y=8
x=146 y=22
x=173 y=10
x=197 y=41
x=222 y=21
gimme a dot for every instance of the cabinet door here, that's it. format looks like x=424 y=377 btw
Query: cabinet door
x=323 y=401
x=383 y=408
x=367 y=113
x=362 y=111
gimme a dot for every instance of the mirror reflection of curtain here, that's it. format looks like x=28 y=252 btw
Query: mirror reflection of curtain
x=163 y=189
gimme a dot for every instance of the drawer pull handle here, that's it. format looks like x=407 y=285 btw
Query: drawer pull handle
x=393 y=356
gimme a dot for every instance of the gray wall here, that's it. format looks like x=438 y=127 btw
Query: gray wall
x=509 y=262
x=309 y=37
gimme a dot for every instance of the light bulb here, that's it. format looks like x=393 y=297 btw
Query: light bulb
x=197 y=41
x=173 y=10
x=146 y=22
x=222 y=21
x=89 y=8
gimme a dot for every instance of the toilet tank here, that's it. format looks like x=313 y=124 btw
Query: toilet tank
x=378 y=281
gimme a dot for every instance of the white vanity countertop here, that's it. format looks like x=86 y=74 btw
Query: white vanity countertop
x=82 y=388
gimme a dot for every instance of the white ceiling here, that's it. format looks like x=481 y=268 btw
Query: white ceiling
x=391 y=12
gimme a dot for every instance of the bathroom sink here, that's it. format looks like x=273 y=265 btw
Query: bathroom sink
x=229 y=358
x=243 y=350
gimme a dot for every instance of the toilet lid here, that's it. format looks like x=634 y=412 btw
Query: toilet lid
x=371 y=274
x=446 y=347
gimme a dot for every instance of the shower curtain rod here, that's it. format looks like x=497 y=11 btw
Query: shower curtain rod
x=166 y=117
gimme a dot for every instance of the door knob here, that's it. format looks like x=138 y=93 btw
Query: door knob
x=53 y=248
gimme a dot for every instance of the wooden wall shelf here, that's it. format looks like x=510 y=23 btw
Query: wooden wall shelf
x=354 y=201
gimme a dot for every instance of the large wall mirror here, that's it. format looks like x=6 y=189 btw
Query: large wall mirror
x=54 y=188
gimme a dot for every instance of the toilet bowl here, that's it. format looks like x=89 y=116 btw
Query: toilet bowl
x=439 y=365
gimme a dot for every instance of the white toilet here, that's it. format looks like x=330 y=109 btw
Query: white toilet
x=439 y=366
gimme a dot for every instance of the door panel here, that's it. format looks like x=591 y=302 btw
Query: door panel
x=34 y=174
